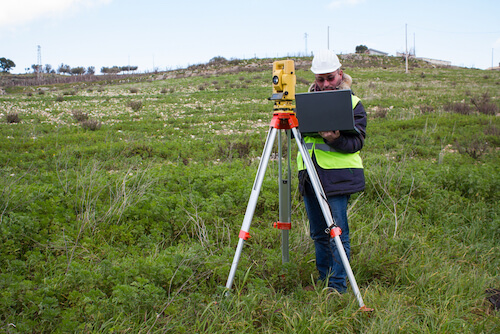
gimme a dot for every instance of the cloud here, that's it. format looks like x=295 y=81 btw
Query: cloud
x=335 y=4
x=19 y=12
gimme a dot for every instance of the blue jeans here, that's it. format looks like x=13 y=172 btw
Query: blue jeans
x=328 y=261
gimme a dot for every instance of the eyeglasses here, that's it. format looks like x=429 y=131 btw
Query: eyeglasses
x=330 y=77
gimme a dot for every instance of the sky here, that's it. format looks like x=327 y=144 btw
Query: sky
x=167 y=35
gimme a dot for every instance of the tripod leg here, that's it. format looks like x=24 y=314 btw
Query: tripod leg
x=325 y=208
x=252 y=203
x=285 y=211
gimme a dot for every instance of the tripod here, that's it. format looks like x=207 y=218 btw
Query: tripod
x=286 y=120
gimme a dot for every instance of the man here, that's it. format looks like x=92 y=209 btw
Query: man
x=340 y=171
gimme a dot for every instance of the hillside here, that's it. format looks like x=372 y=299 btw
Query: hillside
x=122 y=199
x=216 y=66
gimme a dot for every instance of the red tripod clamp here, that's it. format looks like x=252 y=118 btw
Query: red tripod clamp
x=244 y=235
x=284 y=120
x=336 y=231
x=282 y=226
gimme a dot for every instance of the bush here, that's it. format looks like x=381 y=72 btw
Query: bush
x=12 y=118
x=91 y=124
x=135 y=105
x=134 y=90
x=425 y=109
x=80 y=116
x=218 y=60
x=484 y=105
x=459 y=108
x=474 y=148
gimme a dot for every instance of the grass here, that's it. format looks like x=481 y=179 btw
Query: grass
x=132 y=227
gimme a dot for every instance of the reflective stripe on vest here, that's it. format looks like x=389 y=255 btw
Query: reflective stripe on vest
x=326 y=156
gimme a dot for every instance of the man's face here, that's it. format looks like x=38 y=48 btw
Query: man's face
x=329 y=81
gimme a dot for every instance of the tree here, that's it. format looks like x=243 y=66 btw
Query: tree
x=77 y=70
x=64 y=69
x=111 y=70
x=91 y=70
x=128 y=68
x=36 y=68
x=217 y=60
x=361 y=48
x=6 y=64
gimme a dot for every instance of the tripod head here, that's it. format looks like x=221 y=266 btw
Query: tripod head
x=283 y=86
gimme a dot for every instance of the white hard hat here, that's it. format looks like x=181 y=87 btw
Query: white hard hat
x=325 y=61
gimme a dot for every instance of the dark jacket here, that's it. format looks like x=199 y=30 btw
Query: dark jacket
x=342 y=181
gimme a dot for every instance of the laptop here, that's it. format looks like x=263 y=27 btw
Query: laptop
x=325 y=111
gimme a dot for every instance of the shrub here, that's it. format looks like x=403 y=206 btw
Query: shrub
x=218 y=60
x=59 y=99
x=134 y=90
x=484 y=105
x=91 y=124
x=135 y=105
x=164 y=91
x=475 y=148
x=12 y=118
x=492 y=130
x=459 y=108
x=426 y=109
x=380 y=112
x=79 y=115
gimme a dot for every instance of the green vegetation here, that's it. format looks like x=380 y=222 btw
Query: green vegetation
x=128 y=224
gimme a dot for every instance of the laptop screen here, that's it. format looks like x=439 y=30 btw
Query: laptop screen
x=325 y=111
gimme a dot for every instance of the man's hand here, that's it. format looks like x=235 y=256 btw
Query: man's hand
x=329 y=136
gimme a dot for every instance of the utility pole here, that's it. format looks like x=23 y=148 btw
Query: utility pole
x=39 y=61
x=414 y=50
x=328 y=38
x=305 y=37
x=406 y=46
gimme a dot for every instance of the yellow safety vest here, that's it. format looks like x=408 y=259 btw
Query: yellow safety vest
x=327 y=157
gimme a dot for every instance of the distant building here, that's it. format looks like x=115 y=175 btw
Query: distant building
x=376 y=52
x=435 y=61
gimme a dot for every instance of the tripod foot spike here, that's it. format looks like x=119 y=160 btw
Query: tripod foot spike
x=366 y=309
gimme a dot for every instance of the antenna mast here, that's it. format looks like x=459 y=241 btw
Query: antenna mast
x=39 y=61
x=305 y=37
x=406 y=43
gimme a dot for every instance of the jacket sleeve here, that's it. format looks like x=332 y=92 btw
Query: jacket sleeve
x=349 y=142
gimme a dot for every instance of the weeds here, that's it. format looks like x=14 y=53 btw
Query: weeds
x=474 y=148
x=135 y=105
x=459 y=108
x=79 y=115
x=484 y=105
x=392 y=190
x=12 y=118
x=133 y=228
x=91 y=124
